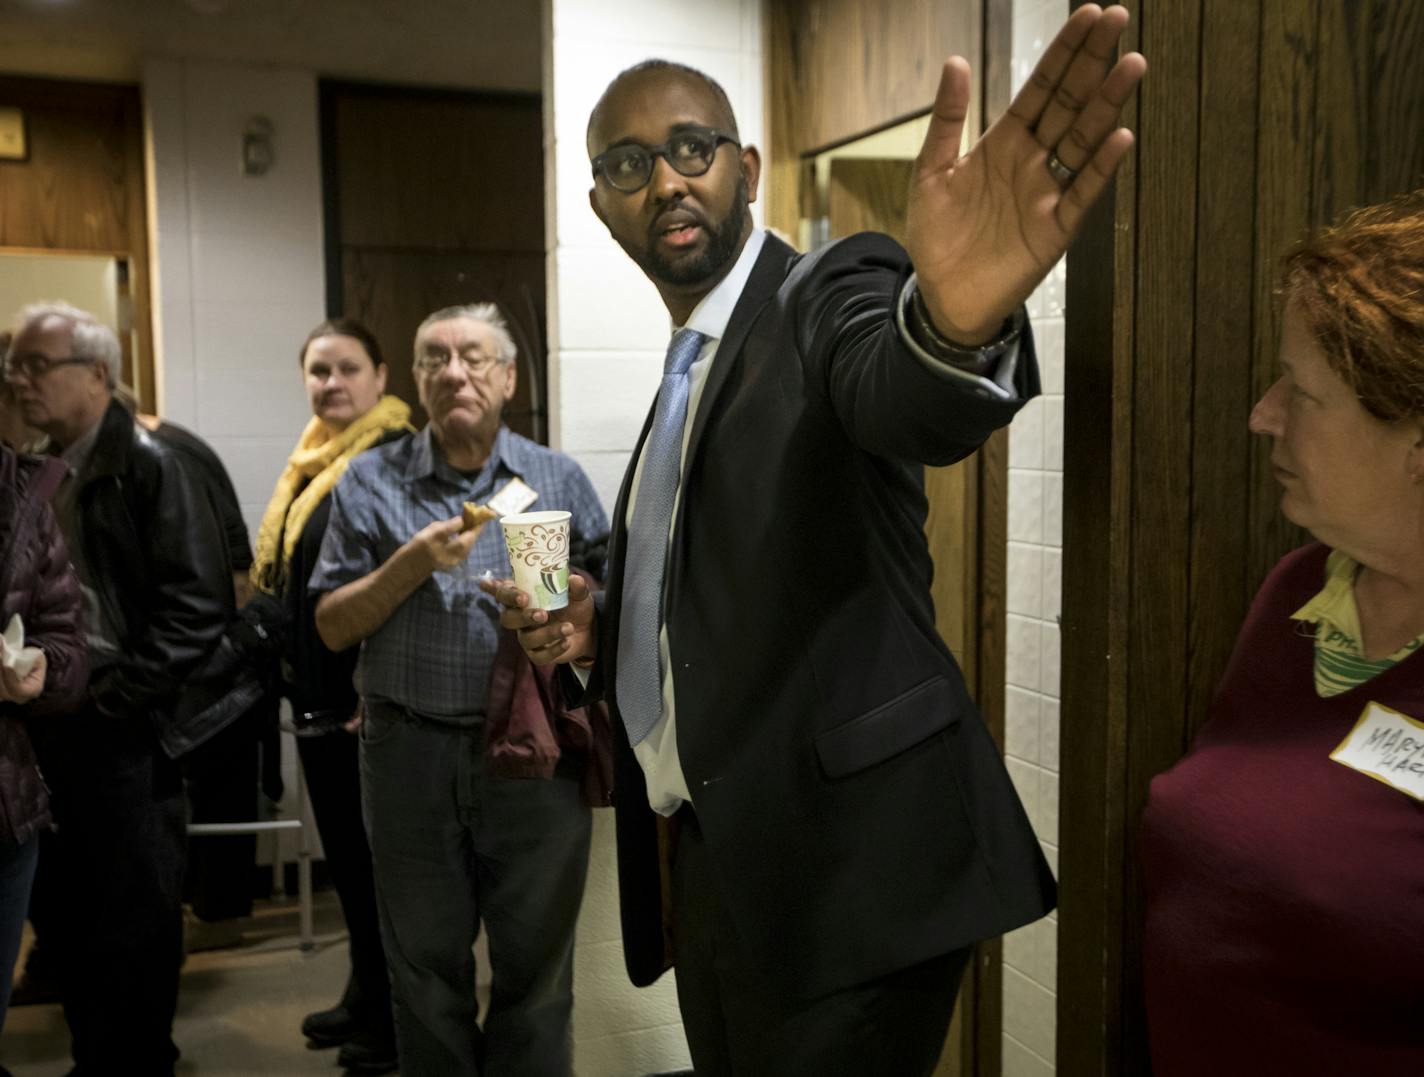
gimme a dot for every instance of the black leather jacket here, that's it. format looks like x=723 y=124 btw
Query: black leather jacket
x=158 y=559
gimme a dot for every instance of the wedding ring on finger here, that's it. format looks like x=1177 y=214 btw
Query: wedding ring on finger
x=1061 y=173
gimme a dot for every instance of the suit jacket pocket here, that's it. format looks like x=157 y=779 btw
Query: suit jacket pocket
x=889 y=729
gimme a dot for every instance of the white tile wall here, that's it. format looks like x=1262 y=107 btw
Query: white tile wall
x=588 y=276
x=238 y=259
x=1019 y=1061
x=1034 y=600
x=605 y=470
x=583 y=375
x=1029 y=1013
x=1032 y=676
x=608 y=330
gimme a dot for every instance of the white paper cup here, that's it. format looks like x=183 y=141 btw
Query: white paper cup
x=538 y=544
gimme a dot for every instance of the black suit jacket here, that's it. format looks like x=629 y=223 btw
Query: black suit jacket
x=857 y=813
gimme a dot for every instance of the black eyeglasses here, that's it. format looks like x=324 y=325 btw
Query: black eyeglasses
x=35 y=366
x=629 y=167
x=474 y=363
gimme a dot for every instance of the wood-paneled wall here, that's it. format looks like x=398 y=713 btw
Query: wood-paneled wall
x=1258 y=120
x=81 y=189
x=844 y=68
x=436 y=199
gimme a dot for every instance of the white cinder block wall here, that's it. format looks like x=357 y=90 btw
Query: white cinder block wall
x=238 y=277
x=608 y=330
x=1034 y=587
x=239 y=267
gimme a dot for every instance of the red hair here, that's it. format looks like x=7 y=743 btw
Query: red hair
x=1359 y=284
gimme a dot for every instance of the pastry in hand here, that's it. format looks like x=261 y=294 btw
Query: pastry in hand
x=476 y=515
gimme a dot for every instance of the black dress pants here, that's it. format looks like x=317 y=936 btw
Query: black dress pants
x=118 y=800
x=894 y=1026
x=332 y=766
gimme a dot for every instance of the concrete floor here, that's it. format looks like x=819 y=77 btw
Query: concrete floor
x=239 y=1010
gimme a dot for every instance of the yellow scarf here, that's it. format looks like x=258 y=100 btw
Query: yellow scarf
x=321 y=456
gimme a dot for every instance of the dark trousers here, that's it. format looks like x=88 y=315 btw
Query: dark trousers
x=332 y=767
x=17 y=872
x=222 y=788
x=42 y=961
x=118 y=927
x=894 y=1026
x=453 y=846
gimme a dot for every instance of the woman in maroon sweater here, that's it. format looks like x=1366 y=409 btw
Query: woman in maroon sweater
x=37 y=583
x=1284 y=853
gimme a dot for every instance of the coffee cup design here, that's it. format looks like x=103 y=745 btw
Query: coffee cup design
x=538 y=544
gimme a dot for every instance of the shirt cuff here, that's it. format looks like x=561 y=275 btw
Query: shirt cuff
x=996 y=378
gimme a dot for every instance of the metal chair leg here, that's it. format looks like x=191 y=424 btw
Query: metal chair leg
x=304 y=859
x=302 y=824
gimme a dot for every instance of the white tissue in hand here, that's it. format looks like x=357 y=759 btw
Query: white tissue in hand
x=14 y=655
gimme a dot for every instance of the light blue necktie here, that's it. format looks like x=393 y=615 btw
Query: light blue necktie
x=640 y=681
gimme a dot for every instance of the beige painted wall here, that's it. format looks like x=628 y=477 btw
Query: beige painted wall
x=89 y=282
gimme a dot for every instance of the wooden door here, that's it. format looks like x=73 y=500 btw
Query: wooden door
x=435 y=199
x=80 y=190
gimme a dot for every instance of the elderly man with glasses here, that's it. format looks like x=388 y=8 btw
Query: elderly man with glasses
x=452 y=842
x=152 y=565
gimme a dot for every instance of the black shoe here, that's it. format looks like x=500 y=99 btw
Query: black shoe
x=331 y=1028
x=368 y=1054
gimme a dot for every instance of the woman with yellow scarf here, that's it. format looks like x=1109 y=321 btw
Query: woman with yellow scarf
x=345 y=379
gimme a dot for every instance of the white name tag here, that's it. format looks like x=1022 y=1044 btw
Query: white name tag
x=516 y=496
x=1389 y=747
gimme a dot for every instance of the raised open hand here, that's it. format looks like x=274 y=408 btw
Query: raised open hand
x=985 y=228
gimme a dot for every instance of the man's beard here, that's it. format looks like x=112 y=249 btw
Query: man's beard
x=722 y=240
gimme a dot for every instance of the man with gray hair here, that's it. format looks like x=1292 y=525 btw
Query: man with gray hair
x=152 y=564
x=452 y=841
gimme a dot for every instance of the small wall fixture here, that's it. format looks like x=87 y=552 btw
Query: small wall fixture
x=257 y=153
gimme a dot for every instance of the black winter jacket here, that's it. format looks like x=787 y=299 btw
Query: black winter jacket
x=158 y=559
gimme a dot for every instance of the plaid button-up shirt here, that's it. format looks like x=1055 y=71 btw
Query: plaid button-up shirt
x=435 y=652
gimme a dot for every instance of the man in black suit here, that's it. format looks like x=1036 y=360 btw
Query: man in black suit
x=812 y=819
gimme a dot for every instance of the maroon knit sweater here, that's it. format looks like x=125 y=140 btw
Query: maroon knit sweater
x=1285 y=891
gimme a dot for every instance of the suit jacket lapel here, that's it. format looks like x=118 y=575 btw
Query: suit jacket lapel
x=770 y=270
x=772 y=267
